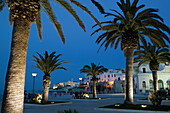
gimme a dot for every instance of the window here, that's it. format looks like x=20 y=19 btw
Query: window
x=168 y=83
x=160 y=84
x=108 y=76
x=112 y=75
x=144 y=84
x=104 y=76
x=144 y=70
x=151 y=84
x=118 y=78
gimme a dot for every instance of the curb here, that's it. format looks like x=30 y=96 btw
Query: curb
x=90 y=99
x=148 y=101
x=48 y=104
x=130 y=111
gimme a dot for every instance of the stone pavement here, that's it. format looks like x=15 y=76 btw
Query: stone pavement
x=87 y=106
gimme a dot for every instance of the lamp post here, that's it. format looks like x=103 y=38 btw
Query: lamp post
x=80 y=78
x=34 y=75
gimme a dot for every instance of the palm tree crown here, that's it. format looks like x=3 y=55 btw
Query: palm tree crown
x=93 y=71
x=29 y=9
x=48 y=63
x=132 y=25
x=151 y=53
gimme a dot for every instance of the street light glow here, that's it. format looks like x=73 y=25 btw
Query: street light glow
x=34 y=74
x=80 y=78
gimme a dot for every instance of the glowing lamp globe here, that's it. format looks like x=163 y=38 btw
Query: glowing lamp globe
x=80 y=78
x=34 y=74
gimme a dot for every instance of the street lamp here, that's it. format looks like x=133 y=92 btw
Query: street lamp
x=34 y=75
x=80 y=78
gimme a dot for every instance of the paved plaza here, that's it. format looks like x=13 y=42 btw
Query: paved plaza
x=87 y=106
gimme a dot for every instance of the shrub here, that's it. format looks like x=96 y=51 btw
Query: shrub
x=156 y=97
x=85 y=96
x=37 y=98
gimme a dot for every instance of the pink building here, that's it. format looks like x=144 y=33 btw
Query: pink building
x=111 y=75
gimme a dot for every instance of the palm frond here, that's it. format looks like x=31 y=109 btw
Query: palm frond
x=85 y=9
x=117 y=43
x=10 y=20
x=2 y=4
x=99 y=6
x=102 y=23
x=142 y=62
x=135 y=2
x=39 y=26
x=49 y=12
x=67 y=6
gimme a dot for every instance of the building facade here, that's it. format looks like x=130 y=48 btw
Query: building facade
x=143 y=80
x=63 y=87
x=108 y=81
x=66 y=84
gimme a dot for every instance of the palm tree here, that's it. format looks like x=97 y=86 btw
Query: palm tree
x=154 y=55
x=128 y=27
x=93 y=71
x=22 y=14
x=48 y=64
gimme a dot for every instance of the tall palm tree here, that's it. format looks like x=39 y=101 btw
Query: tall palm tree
x=154 y=55
x=128 y=27
x=22 y=14
x=93 y=71
x=48 y=64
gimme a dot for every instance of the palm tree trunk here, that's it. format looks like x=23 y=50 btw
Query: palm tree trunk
x=155 y=80
x=13 y=96
x=46 y=86
x=94 y=90
x=129 y=76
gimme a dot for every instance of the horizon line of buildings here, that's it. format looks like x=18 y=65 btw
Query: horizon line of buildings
x=113 y=81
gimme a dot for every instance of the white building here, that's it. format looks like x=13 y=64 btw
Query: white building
x=63 y=87
x=111 y=75
x=66 y=84
x=143 y=80
x=107 y=79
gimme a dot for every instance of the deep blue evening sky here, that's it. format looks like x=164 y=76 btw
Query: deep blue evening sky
x=80 y=49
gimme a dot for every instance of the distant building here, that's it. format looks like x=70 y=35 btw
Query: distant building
x=63 y=87
x=66 y=84
x=143 y=80
x=106 y=80
x=111 y=75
